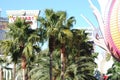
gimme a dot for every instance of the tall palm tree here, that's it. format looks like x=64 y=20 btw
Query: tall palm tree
x=64 y=35
x=25 y=41
x=48 y=23
x=57 y=28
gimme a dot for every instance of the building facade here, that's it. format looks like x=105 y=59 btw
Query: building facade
x=28 y=15
x=3 y=27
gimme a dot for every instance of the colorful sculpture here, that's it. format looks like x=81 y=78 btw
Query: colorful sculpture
x=109 y=23
x=112 y=28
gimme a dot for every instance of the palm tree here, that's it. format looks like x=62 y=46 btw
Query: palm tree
x=47 y=23
x=81 y=42
x=50 y=24
x=9 y=48
x=64 y=35
x=25 y=41
x=80 y=61
x=57 y=28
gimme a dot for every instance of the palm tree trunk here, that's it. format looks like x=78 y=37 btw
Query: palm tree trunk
x=1 y=73
x=24 y=67
x=50 y=66
x=62 y=50
x=51 y=49
x=23 y=74
x=54 y=78
x=14 y=71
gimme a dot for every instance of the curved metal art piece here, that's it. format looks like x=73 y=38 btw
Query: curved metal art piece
x=112 y=28
x=109 y=23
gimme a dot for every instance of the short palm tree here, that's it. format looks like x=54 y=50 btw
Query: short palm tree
x=80 y=61
x=9 y=48
x=64 y=35
x=48 y=24
x=25 y=41
x=81 y=42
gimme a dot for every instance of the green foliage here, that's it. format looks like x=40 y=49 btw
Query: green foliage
x=40 y=67
x=108 y=56
x=114 y=72
x=80 y=57
x=81 y=69
x=10 y=48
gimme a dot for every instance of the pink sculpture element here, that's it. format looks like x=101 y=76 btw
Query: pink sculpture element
x=109 y=39
x=108 y=20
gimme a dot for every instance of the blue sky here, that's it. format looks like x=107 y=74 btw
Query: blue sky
x=72 y=7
